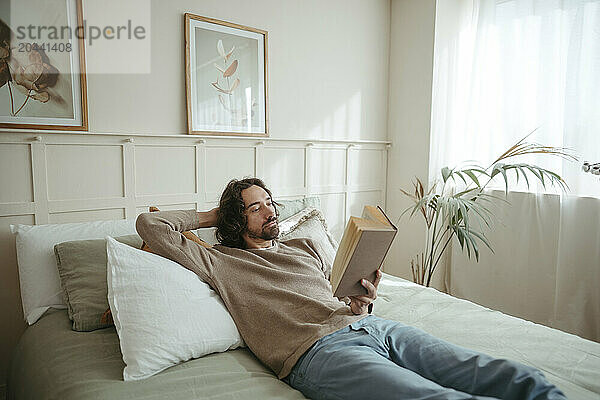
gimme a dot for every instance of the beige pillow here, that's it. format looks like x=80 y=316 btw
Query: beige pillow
x=310 y=223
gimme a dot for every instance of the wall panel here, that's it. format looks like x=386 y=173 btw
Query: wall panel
x=225 y=163
x=86 y=215
x=358 y=200
x=328 y=167
x=15 y=162
x=368 y=168
x=84 y=171
x=333 y=206
x=165 y=169
x=284 y=169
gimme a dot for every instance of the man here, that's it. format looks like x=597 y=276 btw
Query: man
x=282 y=304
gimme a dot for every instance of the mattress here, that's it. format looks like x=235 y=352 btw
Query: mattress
x=53 y=362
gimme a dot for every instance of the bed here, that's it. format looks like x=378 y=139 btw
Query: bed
x=53 y=361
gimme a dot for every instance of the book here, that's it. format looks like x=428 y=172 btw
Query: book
x=362 y=250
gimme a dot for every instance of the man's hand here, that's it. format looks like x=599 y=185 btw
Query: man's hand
x=360 y=304
x=207 y=219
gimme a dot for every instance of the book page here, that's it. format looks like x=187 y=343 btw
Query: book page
x=375 y=214
x=346 y=260
x=344 y=250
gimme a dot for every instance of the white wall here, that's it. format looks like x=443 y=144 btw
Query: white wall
x=328 y=79
x=328 y=66
x=411 y=69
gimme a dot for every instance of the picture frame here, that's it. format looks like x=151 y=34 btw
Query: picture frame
x=43 y=78
x=226 y=78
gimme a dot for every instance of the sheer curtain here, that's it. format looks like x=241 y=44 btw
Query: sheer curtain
x=502 y=69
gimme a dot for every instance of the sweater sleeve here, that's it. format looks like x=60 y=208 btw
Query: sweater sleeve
x=326 y=260
x=163 y=232
x=325 y=257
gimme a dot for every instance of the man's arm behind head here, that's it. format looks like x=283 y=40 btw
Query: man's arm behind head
x=163 y=232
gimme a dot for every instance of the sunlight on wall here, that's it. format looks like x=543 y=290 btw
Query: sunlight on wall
x=343 y=123
x=327 y=167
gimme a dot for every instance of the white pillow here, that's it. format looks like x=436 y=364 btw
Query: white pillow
x=38 y=276
x=164 y=313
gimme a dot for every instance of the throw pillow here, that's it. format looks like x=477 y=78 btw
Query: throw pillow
x=164 y=313
x=82 y=270
x=310 y=223
x=291 y=207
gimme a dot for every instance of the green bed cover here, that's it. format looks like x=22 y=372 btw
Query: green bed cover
x=54 y=362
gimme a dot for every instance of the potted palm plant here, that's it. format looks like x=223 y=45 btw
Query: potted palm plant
x=466 y=215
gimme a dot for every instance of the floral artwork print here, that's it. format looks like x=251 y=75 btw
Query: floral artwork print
x=226 y=77
x=28 y=75
x=33 y=78
x=42 y=66
x=227 y=82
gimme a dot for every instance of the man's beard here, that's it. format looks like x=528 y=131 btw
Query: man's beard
x=267 y=232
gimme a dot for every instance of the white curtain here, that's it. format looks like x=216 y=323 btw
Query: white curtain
x=502 y=69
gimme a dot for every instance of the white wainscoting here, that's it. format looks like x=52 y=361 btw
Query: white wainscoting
x=50 y=177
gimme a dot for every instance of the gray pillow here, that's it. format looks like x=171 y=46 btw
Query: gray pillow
x=291 y=207
x=82 y=270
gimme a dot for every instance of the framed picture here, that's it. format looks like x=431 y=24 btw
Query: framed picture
x=225 y=78
x=42 y=65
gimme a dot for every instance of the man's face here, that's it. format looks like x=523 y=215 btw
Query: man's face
x=260 y=213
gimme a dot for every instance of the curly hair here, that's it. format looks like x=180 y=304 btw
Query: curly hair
x=231 y=219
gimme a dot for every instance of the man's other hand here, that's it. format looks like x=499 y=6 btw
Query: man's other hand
x=360 y=304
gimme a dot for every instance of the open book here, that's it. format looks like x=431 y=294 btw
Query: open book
x=361 y=252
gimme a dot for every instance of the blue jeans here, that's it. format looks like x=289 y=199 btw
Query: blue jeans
x=379 y=359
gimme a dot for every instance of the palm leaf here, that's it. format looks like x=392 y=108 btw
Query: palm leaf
x=460 y=175
x=483 y=239
x=500 y=168
x=471 y=175
x=520 y=168
x=467 y=238
x=446 y=172
x=481 y=213
x=460 y=194
x=474 y=244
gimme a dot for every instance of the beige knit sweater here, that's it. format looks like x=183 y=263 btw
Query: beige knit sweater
x=278 y=297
